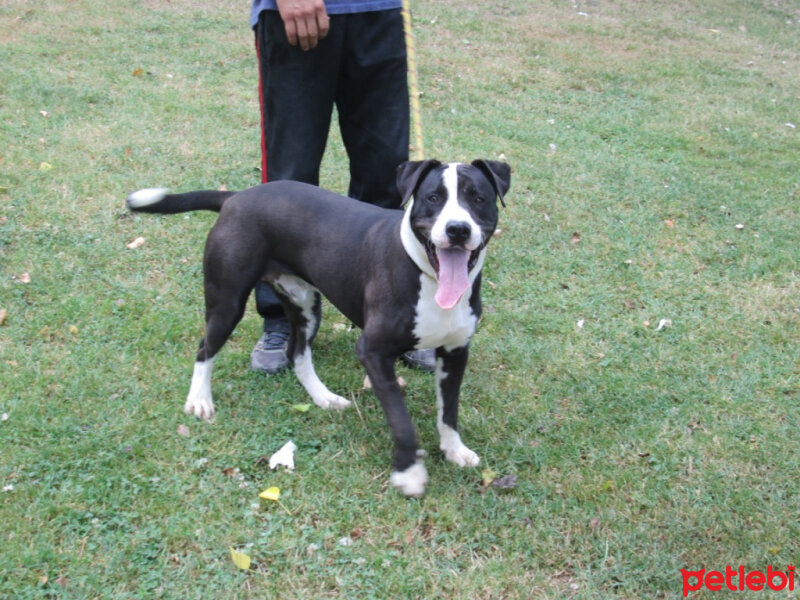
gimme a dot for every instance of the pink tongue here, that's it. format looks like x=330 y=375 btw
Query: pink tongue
x=453 y=276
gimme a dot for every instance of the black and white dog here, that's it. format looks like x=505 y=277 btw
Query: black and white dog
x=408 y=279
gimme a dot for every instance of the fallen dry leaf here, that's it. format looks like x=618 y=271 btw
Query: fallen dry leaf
x=669 y=223
x=274 y=494
x=271 y=493
x=139 y=241
x=25 y=278
x=240 y=559
x=490 y=478
x=487 y=477
x=507 y=482
x=576 y=238
x=3 y=316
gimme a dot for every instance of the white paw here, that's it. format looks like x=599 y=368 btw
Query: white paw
x=454 y=449
x=331 y=401
x=461 y=455
x=411 y=481
x=199 y=405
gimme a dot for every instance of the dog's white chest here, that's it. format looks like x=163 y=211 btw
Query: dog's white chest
x=434 y=326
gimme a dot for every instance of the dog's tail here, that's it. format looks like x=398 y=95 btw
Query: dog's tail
x=159 y=200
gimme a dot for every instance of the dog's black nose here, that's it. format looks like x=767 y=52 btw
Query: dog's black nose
x=458 y=232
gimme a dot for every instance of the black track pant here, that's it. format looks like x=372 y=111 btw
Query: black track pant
x=360 y=68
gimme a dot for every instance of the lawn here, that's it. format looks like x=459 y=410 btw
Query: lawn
x=637 y=367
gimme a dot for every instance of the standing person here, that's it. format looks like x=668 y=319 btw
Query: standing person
x=312 y=56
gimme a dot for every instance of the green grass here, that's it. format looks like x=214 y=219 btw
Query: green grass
x=649 y=129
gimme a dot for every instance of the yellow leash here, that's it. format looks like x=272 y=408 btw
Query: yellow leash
x=417 y=149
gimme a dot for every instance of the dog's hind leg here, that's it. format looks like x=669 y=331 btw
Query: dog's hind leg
x=302 y=304
x=222 y=316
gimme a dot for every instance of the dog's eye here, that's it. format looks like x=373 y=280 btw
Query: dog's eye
x=473 y=195
x=433 y=199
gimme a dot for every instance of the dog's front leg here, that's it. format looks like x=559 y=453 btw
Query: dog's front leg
x=409 y=474
x=450 y=366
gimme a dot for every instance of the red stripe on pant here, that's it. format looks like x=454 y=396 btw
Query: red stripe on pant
x=263 y=117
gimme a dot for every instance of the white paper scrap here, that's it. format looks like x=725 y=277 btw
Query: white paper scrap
x=283 y=457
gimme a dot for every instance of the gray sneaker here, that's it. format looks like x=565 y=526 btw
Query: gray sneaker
x=424 y=360
x=269 y=355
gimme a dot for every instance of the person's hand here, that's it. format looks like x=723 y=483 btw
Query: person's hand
x=306 y=21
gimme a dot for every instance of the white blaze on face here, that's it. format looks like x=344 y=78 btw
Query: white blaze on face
x=453 y=212
x=453 y=273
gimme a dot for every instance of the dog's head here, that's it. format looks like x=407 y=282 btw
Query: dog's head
x=452 y=216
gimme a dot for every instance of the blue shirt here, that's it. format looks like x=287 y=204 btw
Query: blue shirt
x=334 y=7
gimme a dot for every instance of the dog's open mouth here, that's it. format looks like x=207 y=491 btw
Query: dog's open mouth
x=452 y=266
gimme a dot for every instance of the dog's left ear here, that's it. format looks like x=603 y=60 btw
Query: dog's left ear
x=498 y=173
x=410 y=174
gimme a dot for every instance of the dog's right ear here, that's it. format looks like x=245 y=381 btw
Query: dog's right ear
x=410 y=174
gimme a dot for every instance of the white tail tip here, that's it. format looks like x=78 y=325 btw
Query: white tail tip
x=146 y=197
